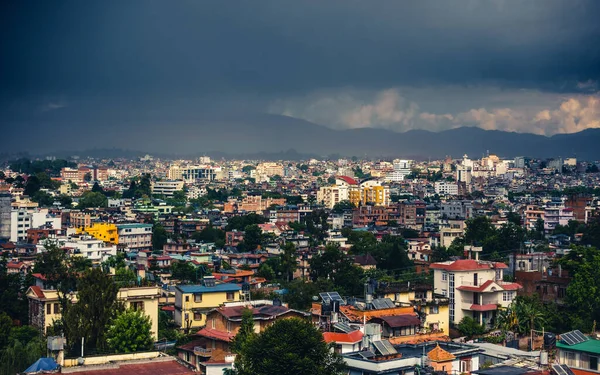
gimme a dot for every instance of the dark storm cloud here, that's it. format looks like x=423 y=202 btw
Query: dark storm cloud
x=69 y=68
x=196 y=47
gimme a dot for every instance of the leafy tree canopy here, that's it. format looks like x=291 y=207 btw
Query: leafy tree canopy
x=129 y=332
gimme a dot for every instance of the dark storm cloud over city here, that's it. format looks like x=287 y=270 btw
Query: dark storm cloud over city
x=524 y=66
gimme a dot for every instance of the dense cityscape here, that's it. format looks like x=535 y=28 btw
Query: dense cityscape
x=285 y=187
x=386 y=259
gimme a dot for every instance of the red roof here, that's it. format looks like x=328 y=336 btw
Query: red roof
x=489 y=307
x=15 y=265
x=348 y=180
x=37 y=290
x=39 y=276
x=171 y=367
x=351 y=338
x=467 y=265
x=215 y=334
x=168 y=308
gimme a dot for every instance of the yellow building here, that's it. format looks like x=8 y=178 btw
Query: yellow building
x=102 y=231
x=434 y=307
x=44 y=305
x=193 y=302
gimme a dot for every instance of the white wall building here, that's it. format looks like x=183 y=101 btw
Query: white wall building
x=446 y=188
x=135 y=236
x=167 y=188
x=474 y=288
x=89 y=247
x=401 y=169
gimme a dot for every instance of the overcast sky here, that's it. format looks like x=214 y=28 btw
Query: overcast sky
x=525 y=66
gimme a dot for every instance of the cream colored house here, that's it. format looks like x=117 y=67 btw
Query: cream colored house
x=44 y=305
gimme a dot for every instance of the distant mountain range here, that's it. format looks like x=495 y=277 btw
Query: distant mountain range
x=280 y=137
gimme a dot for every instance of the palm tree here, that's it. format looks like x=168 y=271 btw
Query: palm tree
x=507 y=319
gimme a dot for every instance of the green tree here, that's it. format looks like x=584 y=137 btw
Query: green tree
x=91 y=199
x=342 y=206
x=159 y=237
x=469 y=327
x=130 y=332
x=32 y=186
x=266 y=271
x=253 y=237
x=19 y=355
x=209 y=234
x=332 y=263
x=6 y=325
x=87 y=177
x=184 y=272
x=125 y=277
x=288 y=261
x=43 y=198
x=65 y=201
x=290 y=346
x=242 y=339
x=96 y=306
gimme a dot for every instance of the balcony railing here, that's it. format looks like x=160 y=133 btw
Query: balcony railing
x=198 y=350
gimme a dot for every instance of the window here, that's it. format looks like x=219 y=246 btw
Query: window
x=434 y=310
x=228 y=326
x=570 y=358
x=507 y=296
x=187 y=298
x=213 y=323
x=465 y=366
x=48 y=308
x=138 y=306
x=197 y=297
x=475 y=279
x=444 y=276
x=593 y=363
x=56 y=308
x=230 y=296
x=197 y=316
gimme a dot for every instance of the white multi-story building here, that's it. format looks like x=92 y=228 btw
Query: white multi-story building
x=474 y=288
x=167 y=188
x=402 y=168
x=446 y=188
x=135 y=236
x=193 y=173
x=87 y=246
x=20 y=222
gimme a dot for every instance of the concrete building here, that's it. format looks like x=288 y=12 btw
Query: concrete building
x=474 y=288
x=166 y=188
x=402 y=168
x=193 y=302
x=20 y=221
x=457 y=210
x=44 y=305
x=194 y=173
x=87 y=246
x=446 y=188
x=5 y=213
x=135 y=236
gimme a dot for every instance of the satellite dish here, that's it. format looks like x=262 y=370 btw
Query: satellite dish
x=315 y=298
x=80 y=361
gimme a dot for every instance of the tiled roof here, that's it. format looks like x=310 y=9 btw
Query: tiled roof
x=351 y=338
x=488 y=307
x=355 y=315
x=348 y=180
x=499 y=284
x=438 y=354
x=37 y=290
x=215 y=334
x=467 y=265
x=150 y=368
x=405 y=320
x=365 y=260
